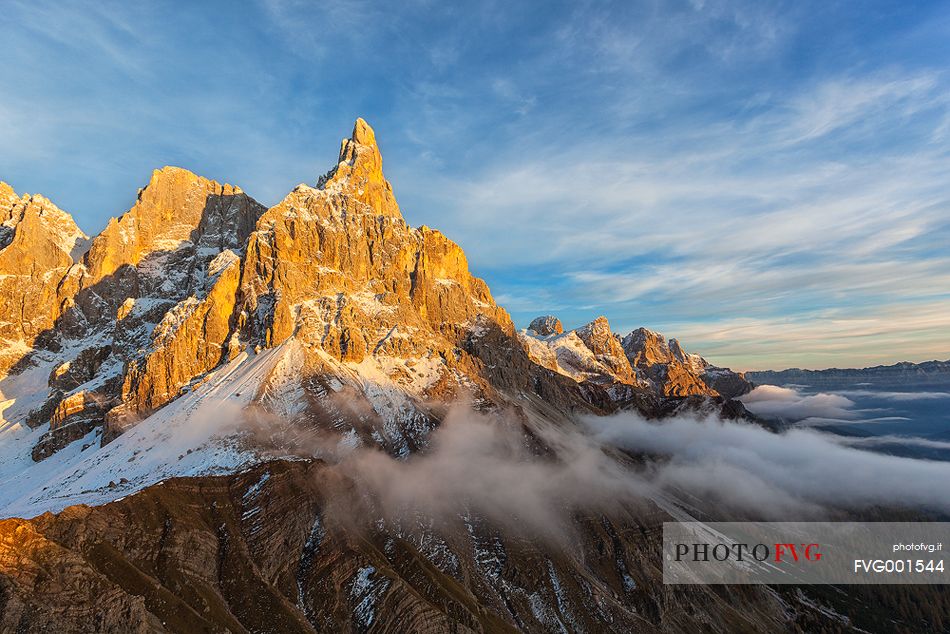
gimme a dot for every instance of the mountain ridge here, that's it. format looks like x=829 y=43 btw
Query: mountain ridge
x=933 y=372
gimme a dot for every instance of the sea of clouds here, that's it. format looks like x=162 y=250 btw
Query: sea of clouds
x=487 y=466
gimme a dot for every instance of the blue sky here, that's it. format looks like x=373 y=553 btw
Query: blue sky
x=769 y=182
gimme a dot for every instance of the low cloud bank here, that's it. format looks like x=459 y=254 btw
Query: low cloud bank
x=488 y=467
x=771 y=474
x=773 y=401
x=788 y=403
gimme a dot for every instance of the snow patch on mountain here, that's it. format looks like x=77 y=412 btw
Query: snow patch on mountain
x=192 y=436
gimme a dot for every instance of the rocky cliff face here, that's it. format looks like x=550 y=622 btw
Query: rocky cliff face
x=37 y=245
x=176 y=213
x=341 y=258
x=667 y=365
x=677 y=371
x=191 y=339
x=591 y=353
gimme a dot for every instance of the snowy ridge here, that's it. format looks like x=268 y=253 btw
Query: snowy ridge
x=567 y=354
x=192 y=436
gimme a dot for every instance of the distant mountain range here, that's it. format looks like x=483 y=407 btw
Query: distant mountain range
x=928 y=373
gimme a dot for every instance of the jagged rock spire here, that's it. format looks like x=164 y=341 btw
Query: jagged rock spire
x=359 y=172
x=363 y=133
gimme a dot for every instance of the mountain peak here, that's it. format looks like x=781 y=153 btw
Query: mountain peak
x=37 y=244
x=546 y=325
x=36 y=212
x=644 y=346
x=171 y=169
x=171 y=180
x=363 y=133
x=359 y=173
x=174 y=177
x=597 y=334
x=361 y=147
x=7 y=194
x=173 y=210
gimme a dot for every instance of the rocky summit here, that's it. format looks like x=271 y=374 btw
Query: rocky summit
x=177 y=393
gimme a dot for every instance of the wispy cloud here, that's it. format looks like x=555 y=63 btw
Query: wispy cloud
x=887 y=439
x=839 y=104
x=777 y=475
x=697 y=165
x=825 y=338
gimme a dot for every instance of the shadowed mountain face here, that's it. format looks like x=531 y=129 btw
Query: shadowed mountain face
x=267 y=551
x=180 y=394
x=292 y=547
